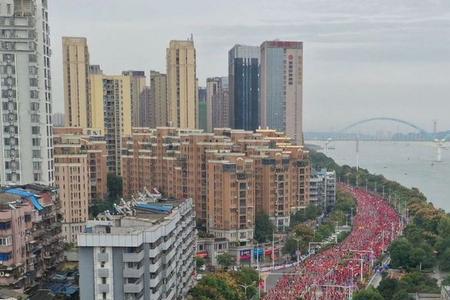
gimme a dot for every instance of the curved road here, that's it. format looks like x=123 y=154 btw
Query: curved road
x=335 y=273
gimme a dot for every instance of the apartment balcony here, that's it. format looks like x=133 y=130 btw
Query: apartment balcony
x=6 y=249
x=5 y=232
x=103 y=272
x=154 y=267
x=168 y=243
x=133 y=257
x=154 y=252
x=155 y=281
x=155 y=295
x=133 y=287
x=171 y=294
x=102 y=257
x=170 y=254
x=133 y=273
x=103 y=288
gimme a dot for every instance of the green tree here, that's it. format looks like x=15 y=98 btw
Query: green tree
x=416 y=282
x=400 y=295
x=400 y=253
x=115 y=188
x=290 y=246
x=264 y=228
x=215 y=287
x=248 y=277
x=304 y=232
x=199 y=262
x=225 y=260
x=445 y=260
x=388 y=287
x=312 y=212
x=367 y=294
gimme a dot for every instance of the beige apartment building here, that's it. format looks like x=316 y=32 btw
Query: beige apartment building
x=182 y=84
x=76 y=82
x=111 y=113
x=158 y=99
x=137 y=86
x=231 y=197
x=223 y=172
x=80 y=175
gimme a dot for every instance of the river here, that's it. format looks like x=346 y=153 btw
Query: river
x=410 y=163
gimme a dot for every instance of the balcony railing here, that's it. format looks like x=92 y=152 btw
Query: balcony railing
x=103 y=257
x=133 y=273
x=103 y=272
x=133 y=257
x=103 y=288
x=133 y=287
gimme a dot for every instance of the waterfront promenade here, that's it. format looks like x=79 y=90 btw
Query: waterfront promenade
x=336 y=272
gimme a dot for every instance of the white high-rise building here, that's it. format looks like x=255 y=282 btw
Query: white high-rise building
x=26 y=104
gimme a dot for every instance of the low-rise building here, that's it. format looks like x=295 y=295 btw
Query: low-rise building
x=145 y=251
x=322 y=189
x=30 y=240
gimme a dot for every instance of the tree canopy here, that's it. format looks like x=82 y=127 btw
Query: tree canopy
x=227 y=286
x=367 y=294
x=264 y=228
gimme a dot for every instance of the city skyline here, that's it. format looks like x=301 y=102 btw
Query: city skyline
x=354 y=54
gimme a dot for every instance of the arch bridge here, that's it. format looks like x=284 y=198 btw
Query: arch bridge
x=395 y=120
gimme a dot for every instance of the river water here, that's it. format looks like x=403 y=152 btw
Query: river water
x=413 y=164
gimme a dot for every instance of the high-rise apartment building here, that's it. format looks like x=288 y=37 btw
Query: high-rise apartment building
x=137 y=85
x=182 y=84
x=212 y=168
x=282 y=87
x=111 y=113
x=158 y=99
x=76 y=82
x=58 y=119
x=80 y=175
x=26 y=102
x=72 y=180
x=243 y=76
x=148 y=254
x=217 y=103
x=202 y=109
x=145 y=113
x=231 y=197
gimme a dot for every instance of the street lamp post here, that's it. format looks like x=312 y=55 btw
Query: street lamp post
x=246 y=286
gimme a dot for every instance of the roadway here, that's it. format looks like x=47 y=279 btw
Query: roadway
x=337 y=272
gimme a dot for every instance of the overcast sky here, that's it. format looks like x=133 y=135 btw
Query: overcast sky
x=363 y=58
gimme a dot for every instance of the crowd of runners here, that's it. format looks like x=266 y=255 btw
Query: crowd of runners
x=335 y=273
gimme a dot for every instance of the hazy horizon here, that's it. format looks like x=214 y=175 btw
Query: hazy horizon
x=362 y=59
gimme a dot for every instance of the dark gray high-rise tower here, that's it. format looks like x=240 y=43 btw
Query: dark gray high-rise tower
x=243 y=78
